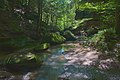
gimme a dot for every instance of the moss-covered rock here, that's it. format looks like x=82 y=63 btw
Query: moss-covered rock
x=40 y=47
x=105 y=40
x=21 y=61
x=54 y=38
x=69 y=35
x=86 y=13
x=57 y=38
x=19 y=58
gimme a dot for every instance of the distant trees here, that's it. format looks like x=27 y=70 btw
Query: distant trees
x=33 y=16
x=58 y=12
x=38 y=15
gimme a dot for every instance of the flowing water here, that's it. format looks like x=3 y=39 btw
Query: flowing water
x=56 y=67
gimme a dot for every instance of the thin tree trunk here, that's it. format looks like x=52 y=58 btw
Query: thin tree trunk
x=41 y=6
x=29 y=3
x=56 y=21
x=39 y=23
x=52 y=19
x=117 y=20
x=117 y=24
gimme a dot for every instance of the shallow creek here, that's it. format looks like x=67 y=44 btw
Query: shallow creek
x=56 y=66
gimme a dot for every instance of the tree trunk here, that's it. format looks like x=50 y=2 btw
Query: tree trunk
x=41 y=6
x=117 y=16
x=39 y=23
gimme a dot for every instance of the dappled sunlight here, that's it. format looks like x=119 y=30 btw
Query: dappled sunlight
x=89 y=57
x=59 y=39
x=71 y=63
x=82 y=56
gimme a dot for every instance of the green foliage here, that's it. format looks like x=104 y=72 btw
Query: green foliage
x=59 y=9
x=40 y=23
x=106 y=37
x=88 y=6
x=105 y=40
x=57 y=38
x=53 y=38
x=80 y=23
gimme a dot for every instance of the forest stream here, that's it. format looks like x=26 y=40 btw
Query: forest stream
x=59 y=39
x=71 y=61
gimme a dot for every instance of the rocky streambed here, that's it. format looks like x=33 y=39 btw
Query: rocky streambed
x=70 y=61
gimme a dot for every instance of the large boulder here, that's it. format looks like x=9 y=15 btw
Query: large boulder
x=54 y=38
x=41 y=47
x=86 y=13
x=69 y=35
x=57 y=38
x=21 y=61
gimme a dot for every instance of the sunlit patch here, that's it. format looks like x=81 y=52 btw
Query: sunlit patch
x=81 y=75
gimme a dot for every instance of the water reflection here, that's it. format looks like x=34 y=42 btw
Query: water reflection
x=56 y=67
x=53 y=66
